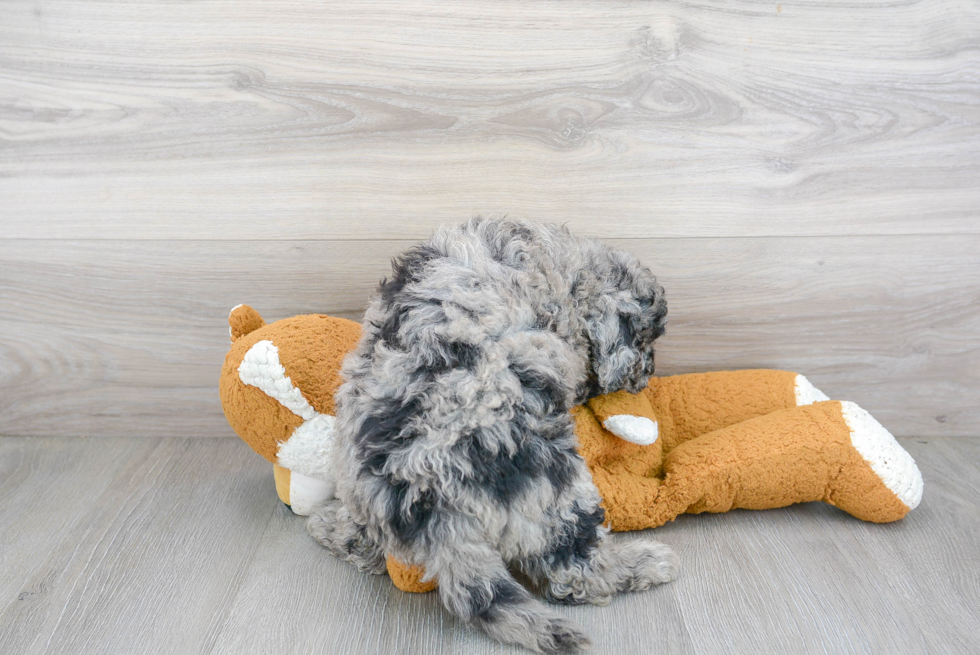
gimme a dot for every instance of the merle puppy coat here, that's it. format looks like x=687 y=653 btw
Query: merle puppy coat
x=455 y=448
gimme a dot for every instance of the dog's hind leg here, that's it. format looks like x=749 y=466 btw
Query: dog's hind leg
x=476 y=586
x=599 y=573
x=332 y=527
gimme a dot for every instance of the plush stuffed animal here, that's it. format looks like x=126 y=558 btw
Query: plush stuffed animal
x=705 y=442
x=260 y=392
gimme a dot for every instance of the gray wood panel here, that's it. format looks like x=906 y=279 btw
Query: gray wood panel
x=123 y=338
x=282 y=120
x=180 y=546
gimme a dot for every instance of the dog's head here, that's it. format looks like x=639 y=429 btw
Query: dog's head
x=627 y=312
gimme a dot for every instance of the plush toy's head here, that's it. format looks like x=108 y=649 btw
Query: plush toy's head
x=278 y=382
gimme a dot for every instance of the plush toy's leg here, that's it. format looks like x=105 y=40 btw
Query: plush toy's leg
x=300 y=492
x=891 y=464
x=281 y=476
x=409 y=578
x=688 y=406
x=831 y=451
x=630 y=499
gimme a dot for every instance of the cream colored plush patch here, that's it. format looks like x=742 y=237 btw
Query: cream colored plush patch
x=308 y=449
x=635 y=429
x=887 y=458
x=261 y=368
x=806 y=393
x=306 y=493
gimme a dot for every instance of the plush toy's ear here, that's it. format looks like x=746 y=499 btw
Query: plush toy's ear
x=242 y=320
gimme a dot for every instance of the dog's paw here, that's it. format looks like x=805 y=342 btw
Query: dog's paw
x=579 y=594
x=331 y=526
x=559 y=635
x=649 y=562
x=321 y=524
x=531 y=625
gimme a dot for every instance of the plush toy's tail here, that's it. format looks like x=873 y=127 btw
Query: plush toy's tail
x=242 y=320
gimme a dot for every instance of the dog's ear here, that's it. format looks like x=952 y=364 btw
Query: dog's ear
x=617 y=359
x=630 y=319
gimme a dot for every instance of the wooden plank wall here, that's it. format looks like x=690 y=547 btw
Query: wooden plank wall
x=804 y=177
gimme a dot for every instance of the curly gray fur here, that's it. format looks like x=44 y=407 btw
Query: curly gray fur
x=455 y=445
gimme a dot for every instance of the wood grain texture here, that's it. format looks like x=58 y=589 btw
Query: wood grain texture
x=181 y=546
x=801 y=176
x=918 y=560
x=387 y=620
x=123 y=338
x=292 y=120
x=132 y=545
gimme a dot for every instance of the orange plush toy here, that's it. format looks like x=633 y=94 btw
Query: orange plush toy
x=277 y=389
x=705 y=442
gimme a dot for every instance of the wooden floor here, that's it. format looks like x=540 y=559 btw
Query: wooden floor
x=165 y=545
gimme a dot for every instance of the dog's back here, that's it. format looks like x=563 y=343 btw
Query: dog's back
x=456 y=448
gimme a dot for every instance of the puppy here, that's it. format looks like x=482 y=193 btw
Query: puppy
x=455 y=447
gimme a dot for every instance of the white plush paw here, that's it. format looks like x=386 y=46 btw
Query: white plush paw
x=309 y=448
x=884 y=454
x=306 y=493
x=806 y=393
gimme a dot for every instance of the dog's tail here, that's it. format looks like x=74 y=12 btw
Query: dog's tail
x=475 y=585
